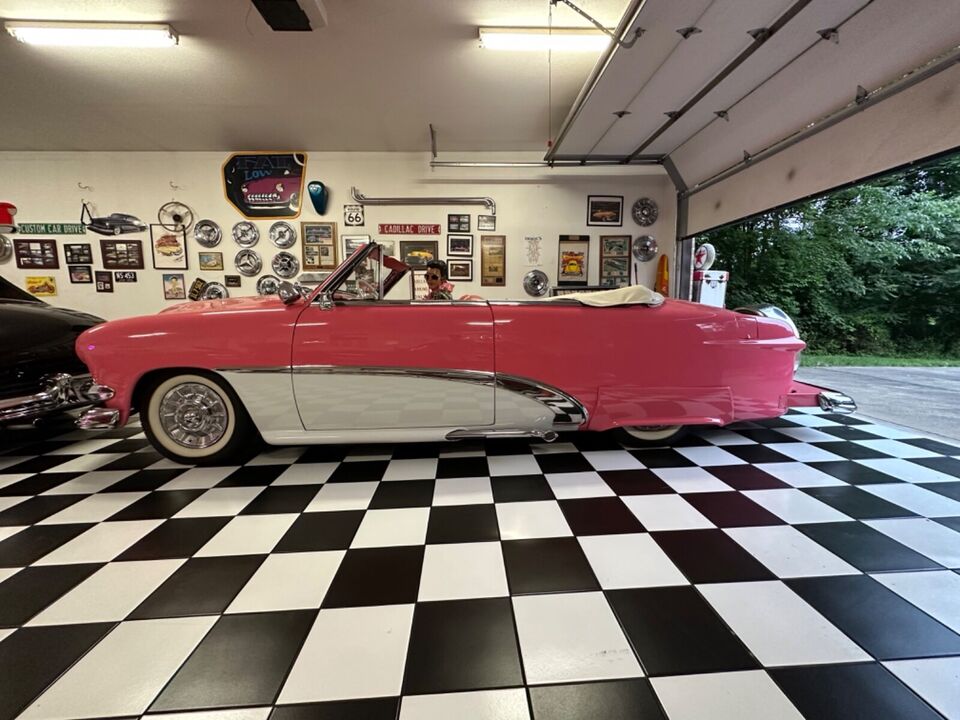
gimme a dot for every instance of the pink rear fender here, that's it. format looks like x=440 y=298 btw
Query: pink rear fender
x=206 y=336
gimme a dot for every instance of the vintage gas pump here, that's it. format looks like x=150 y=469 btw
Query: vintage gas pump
x=709 y=286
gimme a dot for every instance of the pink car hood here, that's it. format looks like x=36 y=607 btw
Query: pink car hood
x=254 y=302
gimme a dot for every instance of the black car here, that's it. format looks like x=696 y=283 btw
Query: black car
x=113 y=224
x=40 y=372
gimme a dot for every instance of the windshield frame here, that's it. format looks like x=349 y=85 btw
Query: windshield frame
x=397 y=268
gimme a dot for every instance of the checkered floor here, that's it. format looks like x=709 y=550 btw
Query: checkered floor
x=802 y=567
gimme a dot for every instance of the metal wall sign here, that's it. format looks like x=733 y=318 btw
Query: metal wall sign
x=353 y=215
x=52 y=228
x=408 y=229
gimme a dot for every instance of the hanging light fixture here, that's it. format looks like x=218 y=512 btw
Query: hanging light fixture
x=542 y=39
x=85 y=34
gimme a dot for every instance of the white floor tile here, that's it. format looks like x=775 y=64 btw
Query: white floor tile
x=101 y=543
x=889 y=432
x=554 y=448
x=525 y=520
x=788 y=552
x=807 y=434
x=11 y=478
x=84 y=446
x=6 y=633
x=578 y=485
x=110 y=594
x=343 y=496
x=916 y=499
x=385 y=528
x=907 y=471
x=665 y=512
x=306 y=474
x=257 y=713
x=748 y=695
x=462 y=491
x=220 y=501
x=463 y=570
x=936 y=680
x=513 y=465
x=200 y=478
x=412 y=469
x=799 y=475
x=709 y=456
x=10 y=531
x=571 y=637
x=722 y=438
x=795 y=506
x=86 y=463
x=288 y=581
x=278 y=456
x=124 y=672
x=812 y=420
x=937 y=542
x=508 y=704
x=10 y=461
x=778 y=626
x=9 y=502
x=94 y=508
x=691 y=480
x=630 y=561
x=612 y=460
x=937 y=593
x=803 y=452
x=896 y=448
x=248 y=535
x=351 y=653
x=8 y=572
x=91 y=482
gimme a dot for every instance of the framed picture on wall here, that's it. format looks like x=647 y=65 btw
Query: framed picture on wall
x=211 y=261
x=122 y=254
x=319 y=245
x=493 y=260
x=80 y=274
x=78 y=254
x=614 y=260
x=573 y=256
x=169 y=248
x=460 y=270
x=104 y=281
x=460 y=245
x=41 y=285
x=352 y=242
x=33 y=254
x=174 y=287
x=486 y=223
x=605 y=210
x=458 y=223
x=417 y=253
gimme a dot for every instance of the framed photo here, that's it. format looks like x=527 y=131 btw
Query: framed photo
x=460 y=245
x=122 y=254
x=231 y=281
x=493 y=260
x=417 y=253
x=80 y=274
x=458 y=223
x=34 y=254
x=174 y=287
x=41 y=285
x=615 y=260
x=352 y=242
x=486 y=223
x=319 y=245
x=389 y=247
x=211 y=261
x=169 y=248
x=78 y=254
x=125 y=276
x=104 y=281
x=460 y=270
x=573 y=256
x=605 y=210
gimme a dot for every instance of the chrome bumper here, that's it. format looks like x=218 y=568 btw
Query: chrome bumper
x=60 y=392
x=99 y=418
x=836 y=402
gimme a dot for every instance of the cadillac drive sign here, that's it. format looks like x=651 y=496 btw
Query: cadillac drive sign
x=408 y=229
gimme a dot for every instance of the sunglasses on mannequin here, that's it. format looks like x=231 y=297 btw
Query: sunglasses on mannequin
x=432 y=276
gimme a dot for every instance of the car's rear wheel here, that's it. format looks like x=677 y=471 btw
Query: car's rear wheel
x=652 y=434
x=195 y=419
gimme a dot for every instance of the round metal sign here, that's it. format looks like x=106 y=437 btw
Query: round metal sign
x=536 y=283
x=207 y=233
x=285 y=265
x=282 y=234
x=645 y=248
x=268 y=285
x=245 y=234
x=248 y=263
x=645 y=212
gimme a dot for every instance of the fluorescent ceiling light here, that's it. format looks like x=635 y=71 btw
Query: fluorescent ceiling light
x=83 y=34
x=563 y=39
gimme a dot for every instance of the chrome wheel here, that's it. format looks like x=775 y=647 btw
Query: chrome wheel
x=193 y=415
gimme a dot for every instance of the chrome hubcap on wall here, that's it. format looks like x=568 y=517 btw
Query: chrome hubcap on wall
x=193 y=415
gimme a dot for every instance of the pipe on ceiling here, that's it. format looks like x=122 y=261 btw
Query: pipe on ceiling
x=364 y=200
x=585 y=162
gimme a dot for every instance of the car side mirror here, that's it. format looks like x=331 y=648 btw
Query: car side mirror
x=288 y=293
x=326 y=301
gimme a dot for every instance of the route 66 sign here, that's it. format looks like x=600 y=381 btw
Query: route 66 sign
x=353 y=215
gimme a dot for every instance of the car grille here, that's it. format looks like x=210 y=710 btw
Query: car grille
x=26 y=379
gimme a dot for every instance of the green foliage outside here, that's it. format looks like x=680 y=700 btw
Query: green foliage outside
x=873 y=269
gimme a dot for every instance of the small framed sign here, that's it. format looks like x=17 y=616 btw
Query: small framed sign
x=486 y=223
x=614 y=260
x=80 y=274
x=353 y=215
x=196 y=289
x=605 y=210
x=174 y=287
x=34 y=254
x=104 y=281
x=460 y=270
x=211 y=261
x=460 y=245
x=127 y=276
x=122 y=254
x=319 y=245
x=574 y=252
x=231 y=281
x=169 y=248
x=493 y=260
x=78 y=254
x=458 y=223
x=417 y=253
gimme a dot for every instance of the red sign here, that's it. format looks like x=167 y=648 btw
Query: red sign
x=408 y=229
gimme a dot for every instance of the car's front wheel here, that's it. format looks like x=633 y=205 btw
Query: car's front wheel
x=193 y=418
x=652 y=435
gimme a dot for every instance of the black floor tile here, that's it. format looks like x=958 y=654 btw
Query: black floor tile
x=462 y=467
x=850 y=450
x=37 y=484
x=756 y=454
x=360 y=471
x=253 y=476
x=134 y=461
x=176 y=538
x=403 y=494
x=38 y=464
x=934 y=446
x=32 y=658
x=563 y=463
x=948 y=465
x=850 y=692
x=845 y=419
x=243 y=660
x=707 y=556
x=376 y=576
x=615 y=700
x=34 y=588
x=675 y=632
x=635 y=482
x=853 y=472
x=880 y=621
x=321 y=531
x=599 y=516
x=595 y=441
x=146 y=480
x=766 y=435
x=462 y=645
x=417 y=451
x=947 y=489
x=323 y=453
x=865 y=548
x=385 y=708
x=520 y=488
x=953 y=523
x=281 y=499
x=201 y=586
x=159 y=504
x=128 y=445
x=848 y=432
x=857 y=503
x=29 y=545
x=547 y=565
x=661 y=457
x=36 y=509
x=731 y=509
x=463 y=523
x=746 y=477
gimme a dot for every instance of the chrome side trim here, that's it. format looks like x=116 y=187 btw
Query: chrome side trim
x=466 y=433
x=569 y=413
x=276 y=369
x=481 y=377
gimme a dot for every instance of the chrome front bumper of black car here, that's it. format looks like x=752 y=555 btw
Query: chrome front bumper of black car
x=60 y=392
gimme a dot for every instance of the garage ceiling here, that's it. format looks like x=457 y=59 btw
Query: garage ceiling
x=372 y=79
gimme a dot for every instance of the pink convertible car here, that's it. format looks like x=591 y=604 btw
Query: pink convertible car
x=346 y=363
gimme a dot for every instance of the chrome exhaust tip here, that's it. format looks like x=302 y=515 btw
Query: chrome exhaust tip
x=549 y=436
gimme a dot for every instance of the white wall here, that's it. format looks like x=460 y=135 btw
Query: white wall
x=530 y=201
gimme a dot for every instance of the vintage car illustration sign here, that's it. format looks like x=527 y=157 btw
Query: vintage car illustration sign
x=574 y=251
x=265 y=185
x=417 y=253
x=41 y=286
x=169 y=248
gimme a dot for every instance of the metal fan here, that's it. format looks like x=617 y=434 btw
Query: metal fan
x=175 y=216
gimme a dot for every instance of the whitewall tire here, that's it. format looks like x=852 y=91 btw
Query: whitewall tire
x=653 y=435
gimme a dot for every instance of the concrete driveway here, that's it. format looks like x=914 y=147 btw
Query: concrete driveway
x=926 y=399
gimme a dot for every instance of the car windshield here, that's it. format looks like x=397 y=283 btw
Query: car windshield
x=368 y=274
